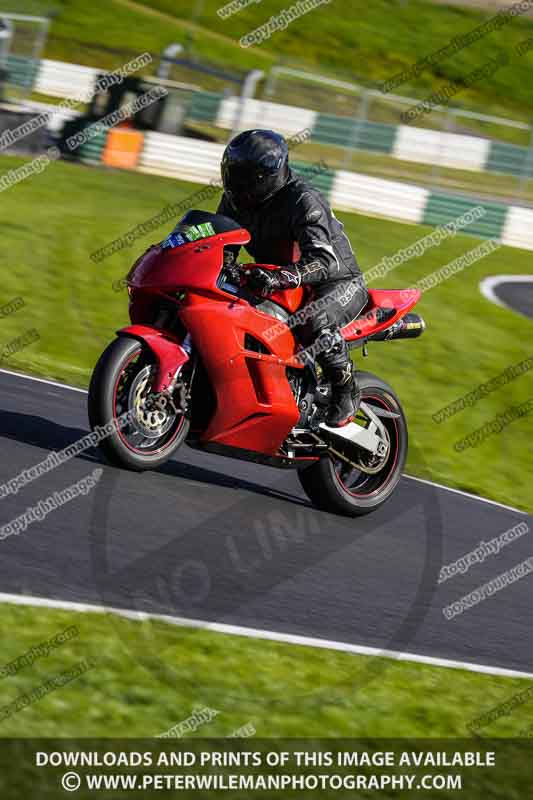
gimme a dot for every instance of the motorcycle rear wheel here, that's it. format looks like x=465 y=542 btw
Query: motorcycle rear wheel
x=333 y=485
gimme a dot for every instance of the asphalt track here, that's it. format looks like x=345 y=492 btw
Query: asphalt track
x=517 y=296
x=216 y=539
x=514 y=292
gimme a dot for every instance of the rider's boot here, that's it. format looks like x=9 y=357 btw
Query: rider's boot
x=338 y=369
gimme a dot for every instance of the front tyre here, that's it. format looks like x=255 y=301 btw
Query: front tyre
x=120 y=385
x=334 y=485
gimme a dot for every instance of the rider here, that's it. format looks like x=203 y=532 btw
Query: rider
x=292 y=225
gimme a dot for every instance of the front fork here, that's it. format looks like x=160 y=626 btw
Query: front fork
x=168 y=351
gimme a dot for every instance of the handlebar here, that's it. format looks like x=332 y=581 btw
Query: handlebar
x=233 y=274
x=236 y=274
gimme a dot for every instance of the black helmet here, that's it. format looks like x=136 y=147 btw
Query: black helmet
x=255 y=165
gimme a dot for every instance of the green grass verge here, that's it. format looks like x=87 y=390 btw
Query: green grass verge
x=53 y=222
x=381 y=39
x=148 y=676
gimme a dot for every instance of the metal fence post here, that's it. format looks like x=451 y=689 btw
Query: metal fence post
x=248 y=90
x=447 y=127
x=271 y=82
x=359 y=122
x=165 y=61
x=527 y=169
x=6 y=34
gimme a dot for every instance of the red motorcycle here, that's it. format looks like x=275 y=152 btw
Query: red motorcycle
x=209 y=363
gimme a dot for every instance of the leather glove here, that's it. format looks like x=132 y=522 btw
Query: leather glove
x=264 y=281
x=268 y=281
x=229 y=258
x=231 y=268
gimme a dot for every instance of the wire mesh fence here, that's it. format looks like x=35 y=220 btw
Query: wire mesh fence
x=440 y=147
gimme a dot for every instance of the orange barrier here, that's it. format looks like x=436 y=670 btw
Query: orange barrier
x=123 y=148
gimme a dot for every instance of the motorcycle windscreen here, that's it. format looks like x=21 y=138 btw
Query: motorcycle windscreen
x=196 y=225
x=194 y=265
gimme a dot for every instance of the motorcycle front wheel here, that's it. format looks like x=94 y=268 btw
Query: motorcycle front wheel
x=142 y=433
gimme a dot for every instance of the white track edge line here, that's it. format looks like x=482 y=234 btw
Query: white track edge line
x=465 y=494
x=43 y=380
x=255 y=633
x=411 y=477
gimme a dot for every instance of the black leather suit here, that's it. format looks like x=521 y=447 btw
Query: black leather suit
x=296 y=228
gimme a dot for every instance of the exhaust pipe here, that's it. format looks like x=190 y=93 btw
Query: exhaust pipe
x=411 y=326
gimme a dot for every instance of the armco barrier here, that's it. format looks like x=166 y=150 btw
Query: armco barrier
x=22 y=71
x=422 y=145
x=179 y=157
x=57 y=115
x=199 y=162
x=379 y=197
x=509 y=159
x=58 y=79
x=349 y=132
x=262 y=114
x=518 y=228
x=405 y=142
x=318 y=175
x=442 y=208
x=447 y=149
x=92 y=151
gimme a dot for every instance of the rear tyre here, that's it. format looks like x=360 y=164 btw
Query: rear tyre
x=333 y=485
x=121 y=383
